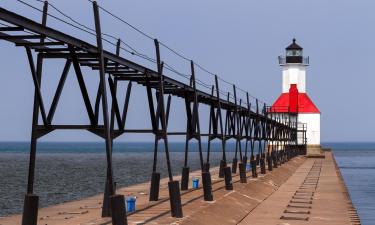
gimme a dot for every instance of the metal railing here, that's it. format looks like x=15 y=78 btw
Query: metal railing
x=283 y=60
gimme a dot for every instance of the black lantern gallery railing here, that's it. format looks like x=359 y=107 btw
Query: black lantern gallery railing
x=283 y=60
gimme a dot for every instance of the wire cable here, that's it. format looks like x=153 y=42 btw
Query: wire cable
x=87 y=29
x=167 y=47
x=120 y=19
x=132 y=50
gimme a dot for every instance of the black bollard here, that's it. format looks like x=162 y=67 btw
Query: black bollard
x=262 y=165
x=175 y=199
x=274 y=159
x=269 y=161
x=254 y=173
x=242 y=168
x=154 y=189
x=223 y=164
x=185 y=178
x=118 y=210
x=244 y=160
x=207 y=186
x=228 y=178
x=286 y=155
x=234 y=165
x=30 y=210
x=206 y=167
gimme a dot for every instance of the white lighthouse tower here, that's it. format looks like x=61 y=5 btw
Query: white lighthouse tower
x=294 y=98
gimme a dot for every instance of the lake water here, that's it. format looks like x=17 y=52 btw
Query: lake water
x=69 y=171
x=357 y=165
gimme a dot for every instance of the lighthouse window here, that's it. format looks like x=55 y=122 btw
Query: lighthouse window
x=294 y=53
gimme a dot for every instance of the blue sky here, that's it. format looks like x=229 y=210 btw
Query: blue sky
x=238 y=40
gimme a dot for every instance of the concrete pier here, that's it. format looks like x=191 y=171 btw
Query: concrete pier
x=301 y=191
x=314 y=194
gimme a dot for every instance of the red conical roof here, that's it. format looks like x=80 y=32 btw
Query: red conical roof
x=304 y=103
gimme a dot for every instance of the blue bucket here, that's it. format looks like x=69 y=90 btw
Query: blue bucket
x=130 y=204
x=195 y=183
x=248 y=166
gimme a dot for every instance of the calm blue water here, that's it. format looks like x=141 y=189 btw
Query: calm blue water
x=99 y=147
x=357 y=165
x=69 y=171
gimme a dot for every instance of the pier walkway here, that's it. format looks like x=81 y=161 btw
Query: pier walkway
x=301 y=191
x=315 y=194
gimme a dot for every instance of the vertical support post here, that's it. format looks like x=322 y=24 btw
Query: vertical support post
x=223 y=161
x=276 y=143
x=241 y=125
x=117 y=208
x=269 y=137
x=106 y=209
x=223 y=171
x=258 y=138
x=31 y=201
x=196 y=123
x=189 y=133
x=155 y=176
x=235 y=132
x=264 y=139
x=253 y=139
x=212 y=126
x=174 y=186
x=248 y=128
x=206 y=175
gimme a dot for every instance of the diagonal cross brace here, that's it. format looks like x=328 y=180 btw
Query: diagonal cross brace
x=35 y=74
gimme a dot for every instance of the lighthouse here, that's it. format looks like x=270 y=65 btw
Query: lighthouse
x=294 y=98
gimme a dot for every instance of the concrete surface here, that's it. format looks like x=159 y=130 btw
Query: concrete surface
x=301 y=191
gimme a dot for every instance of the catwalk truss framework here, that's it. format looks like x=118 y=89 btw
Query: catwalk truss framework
x=275 y=135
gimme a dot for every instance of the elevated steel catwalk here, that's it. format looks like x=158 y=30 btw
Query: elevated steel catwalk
x=276 y=135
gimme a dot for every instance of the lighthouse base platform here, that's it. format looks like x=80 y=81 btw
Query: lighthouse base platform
x=315 y=151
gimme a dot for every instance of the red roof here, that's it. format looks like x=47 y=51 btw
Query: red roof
x=286 y=100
